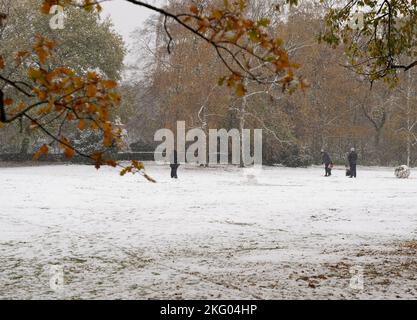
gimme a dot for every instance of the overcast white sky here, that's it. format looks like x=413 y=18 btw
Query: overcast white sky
x=127 y=16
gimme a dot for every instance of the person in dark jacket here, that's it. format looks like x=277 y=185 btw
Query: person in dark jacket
x=353 y=160
x=327 y=161
x=174 y=165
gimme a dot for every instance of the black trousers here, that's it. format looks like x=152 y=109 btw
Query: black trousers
x=328 y=169
x=174 y=169
x=352 y=170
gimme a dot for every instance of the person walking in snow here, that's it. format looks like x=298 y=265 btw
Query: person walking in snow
x=174 y=165
x=352 y=159
x=327 y=161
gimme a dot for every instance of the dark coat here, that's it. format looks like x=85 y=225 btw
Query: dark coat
x=174 y=161
x=326 y=158
x=353 y=157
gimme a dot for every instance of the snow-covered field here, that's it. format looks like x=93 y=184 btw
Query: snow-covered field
x=210 y=235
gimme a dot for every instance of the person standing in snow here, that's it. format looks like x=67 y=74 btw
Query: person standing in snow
x=327 y=161
x=174 y=165
x=353 y=159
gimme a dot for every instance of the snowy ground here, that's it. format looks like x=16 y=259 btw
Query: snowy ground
x=209 y=235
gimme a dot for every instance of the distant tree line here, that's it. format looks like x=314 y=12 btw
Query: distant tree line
x=300 y=71
x=340 y=108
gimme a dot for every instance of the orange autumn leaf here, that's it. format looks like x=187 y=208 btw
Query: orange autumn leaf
x=91 y=108
x=42 y=95
x=49 y=44
x=20 y=55
x=94 y=125
x=217 y=14
x=33 y=125
x=92 y=76
x=138 y=165
x=42 y=55
x=111 y=163
x=240 y=90
x=109 y=84
x=36 y=156
x=98 y=159
x=2 y=65
x=46 y=7
x=91 y=91
x=44 y=149
x=194 y=9
x=69 y=153
x=34 y=74
x=8 y=102
x=82 y=125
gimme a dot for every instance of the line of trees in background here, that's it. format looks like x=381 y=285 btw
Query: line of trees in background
x=179 y=81
x=338 y=111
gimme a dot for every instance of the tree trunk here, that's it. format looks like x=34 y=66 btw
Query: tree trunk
x=408 y=150
x=206 y=131
x=242 y=114
x=408 y=120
